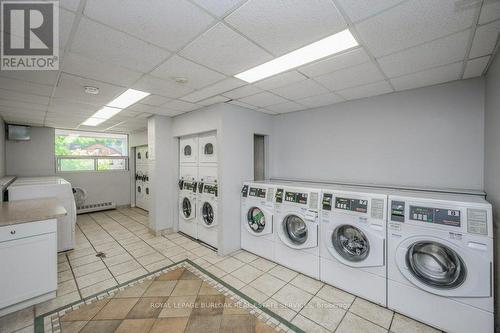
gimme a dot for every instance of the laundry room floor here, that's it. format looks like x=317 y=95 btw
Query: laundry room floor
x=130 y=252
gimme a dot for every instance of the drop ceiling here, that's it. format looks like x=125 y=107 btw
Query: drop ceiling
x=152 y=45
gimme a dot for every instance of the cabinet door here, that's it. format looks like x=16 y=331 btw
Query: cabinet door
x=29 y=268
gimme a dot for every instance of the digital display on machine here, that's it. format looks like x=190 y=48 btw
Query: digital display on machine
x=327 y=201
x=398 y=211
x=354 y=205
x=257 y=192
x=210 y=189
x=297 y=197
x=279 y=195
x=244 y=191
x=189 y=186
x=450 y=217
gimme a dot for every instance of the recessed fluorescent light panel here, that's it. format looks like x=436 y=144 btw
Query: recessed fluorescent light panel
x=327 y=46
x=123 y=101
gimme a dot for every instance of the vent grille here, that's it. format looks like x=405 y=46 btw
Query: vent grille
x=95 y=207
x=313 y=202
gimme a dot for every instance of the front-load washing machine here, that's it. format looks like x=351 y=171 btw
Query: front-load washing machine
x=207 y=214
x=297 y=229
x=440 y=260
x=257 y=210
x=187 y=208
x=188 y=150
x=353 y=240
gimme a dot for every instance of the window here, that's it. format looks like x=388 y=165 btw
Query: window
x=89 y=151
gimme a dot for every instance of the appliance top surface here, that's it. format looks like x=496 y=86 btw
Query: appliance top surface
x=35 y=181
x=431 y=196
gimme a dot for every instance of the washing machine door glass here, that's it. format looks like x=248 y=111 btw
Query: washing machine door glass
x=208 y=149
x=436 y=265
x=187 y=150
x=208 y=213
x=351 y=243
x=187 y=209
x=295 y=229
x=256 y=219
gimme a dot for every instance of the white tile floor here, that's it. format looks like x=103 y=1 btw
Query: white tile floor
x=132 y=251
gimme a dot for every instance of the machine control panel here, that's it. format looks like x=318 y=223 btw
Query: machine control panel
x=257 y=192
x=181 y=184
x=279 y=195
x=449 y=217
x=210 y=189
x=244 y=191
x=189 y=186
x=354 y=205
x=398 y=211
x=296 y=197
x=326 y=204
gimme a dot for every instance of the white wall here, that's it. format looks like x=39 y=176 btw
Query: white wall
x=139 y=138
x=37 y=158
x=430 y=137
x=492 y=161
x=2 y=148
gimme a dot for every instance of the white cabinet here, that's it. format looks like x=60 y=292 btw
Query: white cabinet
x=28 y=261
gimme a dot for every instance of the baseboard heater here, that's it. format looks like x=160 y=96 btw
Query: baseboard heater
x=95 y=207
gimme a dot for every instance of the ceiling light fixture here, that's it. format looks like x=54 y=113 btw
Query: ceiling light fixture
x=129 y=97
x=91 y=90
x=327 y=46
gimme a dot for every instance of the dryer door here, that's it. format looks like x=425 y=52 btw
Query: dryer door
x=207 y=211
x=208 y=149
x=187 y=208
x=188 y=150
x=297 y=232
x=356 y=246
x=259 y=221
x=445 y=268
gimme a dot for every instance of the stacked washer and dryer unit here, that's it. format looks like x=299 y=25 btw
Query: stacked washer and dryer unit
x=142 y=192
x=426 y=255
x=198 y=190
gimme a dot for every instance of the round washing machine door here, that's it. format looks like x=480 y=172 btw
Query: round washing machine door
x=258 y=221
x=187 y=208
x=207 y=214
x=351 y=243
x=295 y=229
x=435 y=265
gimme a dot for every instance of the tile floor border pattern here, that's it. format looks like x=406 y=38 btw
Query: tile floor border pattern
x=49 y=322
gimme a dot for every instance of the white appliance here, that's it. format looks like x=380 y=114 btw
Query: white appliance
x=440 y=260
x=50 y=187
x=297 y=229
x=257 y=218
x=353 y=241
x=207 y=147
x=207 y=174
x=188 y=150
x=142 y=177
x=187 y=208
x=207 y=213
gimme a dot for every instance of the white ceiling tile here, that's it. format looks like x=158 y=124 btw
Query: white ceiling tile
x=181 y=105
x=167 y=23
x=476 y=67
x=243 y=105
x=215 y=89
x=64 y=105
x=73 y=88
x=68 y=4
x=283 y=26
x=219 y=7
x=336 y=62
x=144 y=115
x=280 y=80
x=321 y=100
x=285 y=107
x=20 y=97
x=213 y=100
x=266 y=111
x=40 y=77
x=263 y=99
x=14 y=105
x=98 y=70
x=301 y=89
x=372 y=89
x=360 y=9
x=428 y=77
x=242 y=92
x=162 y=87
x=66 y=19
x=413 y=23
x=155 y=100
x=19 y=111
x=485 y=39
x=165 y=112
x=439 y=52
x=25 y=87
x=351 y=77
x=102 y=43
x=490 y=11
x=139 y=107
x=226 y=51
x=197 y=76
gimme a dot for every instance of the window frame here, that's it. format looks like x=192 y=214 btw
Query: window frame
x=59 y=158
